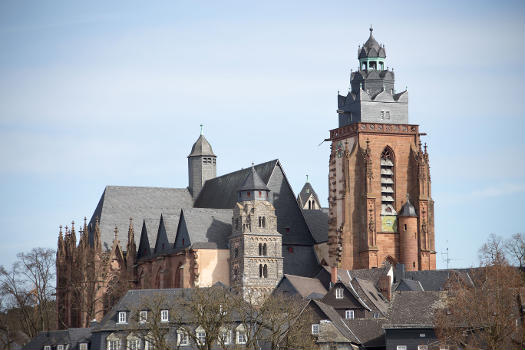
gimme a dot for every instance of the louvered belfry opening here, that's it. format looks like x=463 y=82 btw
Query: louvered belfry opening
x=387 y=182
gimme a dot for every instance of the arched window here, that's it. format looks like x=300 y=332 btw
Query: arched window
x=260 y=249
x=265 y=271
x=264 y=221
x=309 y=204
x=387 y=182
x=260 y=270
x=264 y=252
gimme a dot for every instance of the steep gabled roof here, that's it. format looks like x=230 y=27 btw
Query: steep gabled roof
x=305 y=194
x=337 y=321
x=317 y=221
x=221 y=193
x=148 y=237
x=205 y=228
x=118 y=203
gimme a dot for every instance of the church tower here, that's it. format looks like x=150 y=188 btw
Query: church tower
x=202 y=165
x=376 y=162
x=256 y=262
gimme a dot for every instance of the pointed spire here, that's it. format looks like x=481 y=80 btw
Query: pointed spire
x=116 y=232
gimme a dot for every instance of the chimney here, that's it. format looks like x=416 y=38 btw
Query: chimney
x=385 y=287
x=333 y=275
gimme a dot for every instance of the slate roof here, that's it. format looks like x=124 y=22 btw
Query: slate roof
x=367 y=291
x=253 y=182
x=435 y=280
x=337 y=321
x=208 y=228
x=369 y=330
x=371 y=48
x=201 y=147
x=413 y=309
x=305 y=286
x=305 y=193
x=408 y=209
x=118 y=203
x=406 y=285
x=71 y=336
x=221 y=192
x=317 y=221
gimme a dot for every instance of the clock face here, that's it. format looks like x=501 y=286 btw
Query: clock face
x=339 y=149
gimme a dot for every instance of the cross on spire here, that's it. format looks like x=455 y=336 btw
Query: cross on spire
x=202 y=133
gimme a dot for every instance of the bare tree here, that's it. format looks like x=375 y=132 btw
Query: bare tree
x=151 y=320
x=209 y=312
x=485 y=315
x=287 y=321
x=492 y=252
x=38 y=267
x=515 y=249
x=27 y=287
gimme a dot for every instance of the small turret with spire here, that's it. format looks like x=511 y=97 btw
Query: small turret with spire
x=202 y=165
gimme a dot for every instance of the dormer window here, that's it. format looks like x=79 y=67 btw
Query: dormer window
x=164 y=316
x=47 y=347
x=349 y=314
x=83 y=346
x=143 y=316
x=121 y=317
x=60 y=347
x=315 y=329
x=339 y=293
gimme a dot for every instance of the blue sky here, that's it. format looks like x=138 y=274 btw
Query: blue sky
x=112 y=93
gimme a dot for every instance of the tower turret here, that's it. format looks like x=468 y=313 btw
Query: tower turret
x=407 y=219
x=256 y=261
x=202 y=165
x=372 y=97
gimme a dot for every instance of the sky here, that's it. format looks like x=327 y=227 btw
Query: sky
x=98 y=93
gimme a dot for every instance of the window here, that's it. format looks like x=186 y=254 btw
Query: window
x=387 y=182
x=290 y=249
x=113 y=345
x=339 y=293
x=248 y=194
x=387 y=115
x=47 y=347
x=149 y=346
x=444 y=347
x=236 y=223
x=265 y=271
x=225 y=337
x=241 y=337
x=264 y=251
x=401 y=347
x=122 y=317
x=133 y=344
x=260 y=270
x=201 y=337
x=315 y=328
x=60 y=347
x=349 y=314
x=164 y=316
x=376 y=314
x=236 y=252
x=84 y=346
x=422 y=347
x=382 y=115
x=405 y=226
x=260 y=248
x=183 y=338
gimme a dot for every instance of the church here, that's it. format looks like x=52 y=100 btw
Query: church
x=246 y=229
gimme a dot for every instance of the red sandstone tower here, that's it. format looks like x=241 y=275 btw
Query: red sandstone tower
x=376 y=163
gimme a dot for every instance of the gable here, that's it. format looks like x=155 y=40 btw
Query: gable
x=182 y=240
x=349 y=300
x=118 y=203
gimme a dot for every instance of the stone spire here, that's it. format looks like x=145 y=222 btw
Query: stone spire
x=131 y=249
